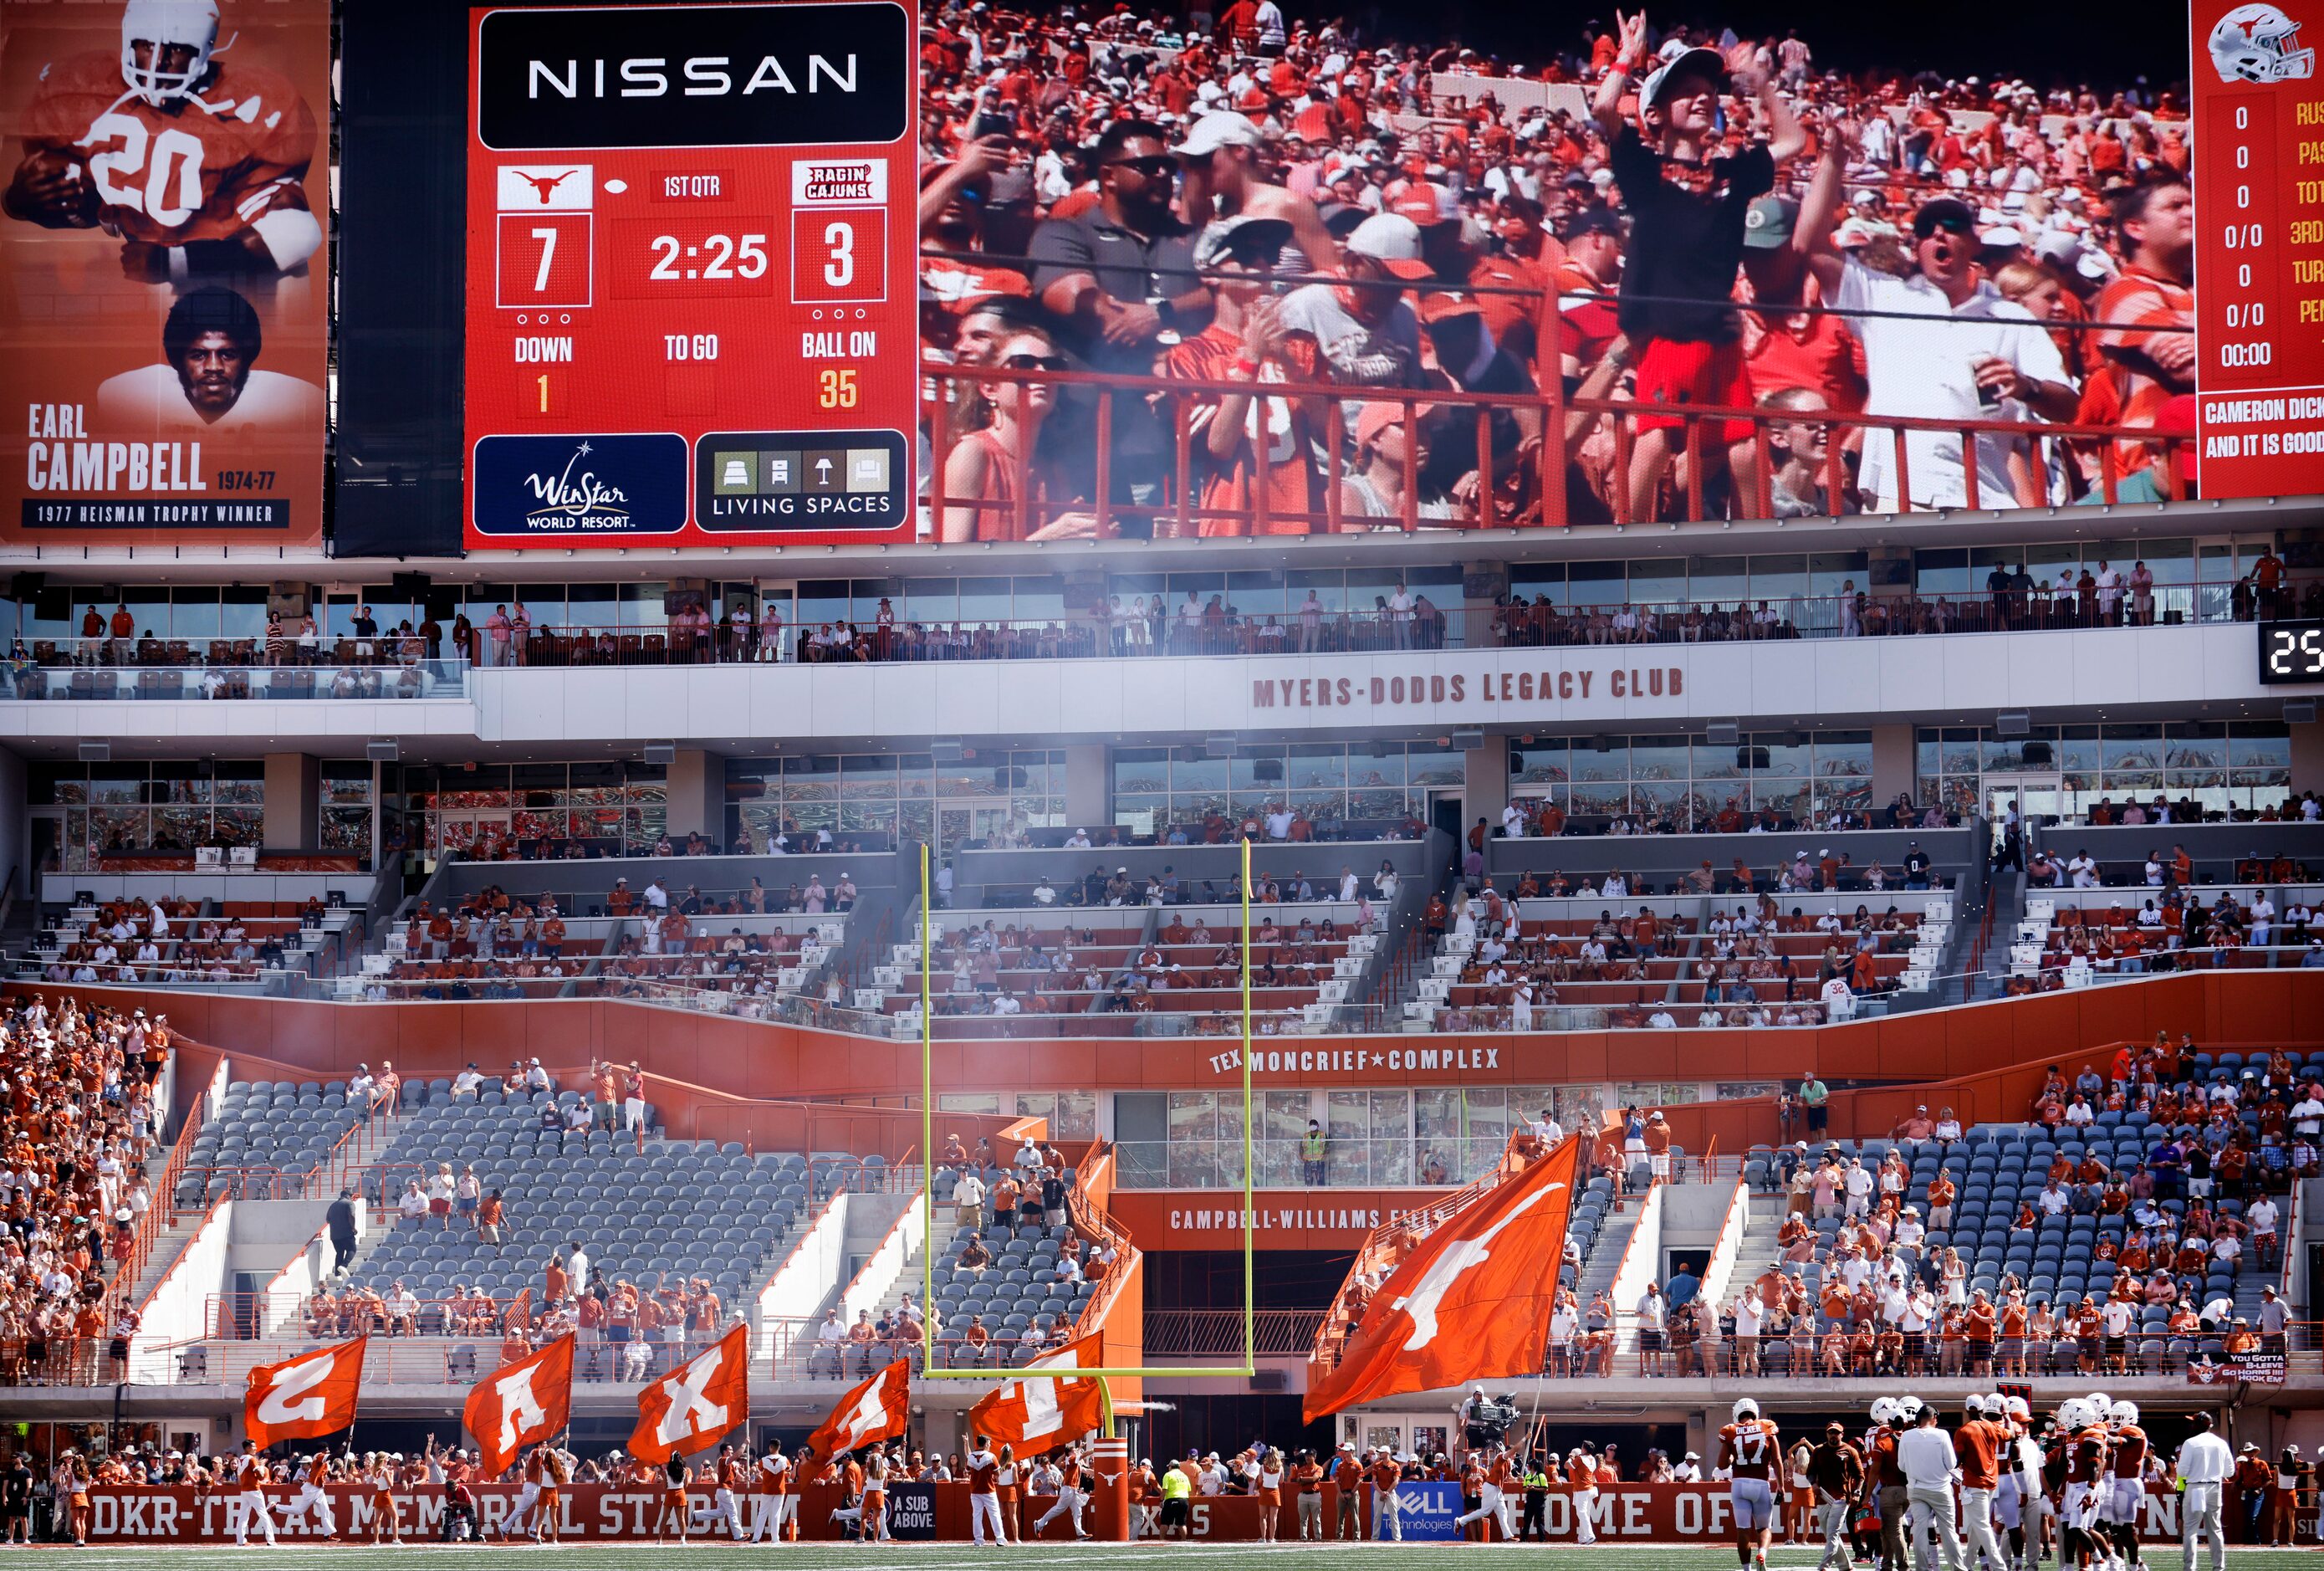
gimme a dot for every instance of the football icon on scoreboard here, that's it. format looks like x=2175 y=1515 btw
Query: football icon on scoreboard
x=547 y=188
x=2259 y=43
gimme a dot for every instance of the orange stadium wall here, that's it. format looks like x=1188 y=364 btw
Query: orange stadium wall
x=753 y=1061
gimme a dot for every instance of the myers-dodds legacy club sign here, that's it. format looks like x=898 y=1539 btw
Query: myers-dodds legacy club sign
x=1485 y=690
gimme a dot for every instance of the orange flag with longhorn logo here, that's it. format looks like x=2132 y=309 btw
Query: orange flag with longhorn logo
x=519 y=1404
x=876 y=1410
x=1471 y=1303
x=697 y=1401
x=1036 y=1415
x=303 y=1396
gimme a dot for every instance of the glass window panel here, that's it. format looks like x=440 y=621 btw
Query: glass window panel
x=1602 y=759
x=1436 y=1112
x=1038 y=597
x=1942 y=571
x=930 y=599
x=1777 y=577
x=2256 y=742
x=1785 y=753
x=2131 y=746
x=194 y=614
x=1546 y=762
x=1658 y=583
x=985 y=599
x=813 y=778
x=1315 y=768
x=1597 y=583
x=1368 y=771
x=1194 y=1115
x=1722 y=579
x=592 y=606
x=1191 y=771
x=1843 y=752
x=1659 y=758
x=1831 y=573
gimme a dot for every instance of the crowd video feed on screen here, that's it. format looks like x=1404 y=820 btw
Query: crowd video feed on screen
x=1665 y=273
x=162 y=237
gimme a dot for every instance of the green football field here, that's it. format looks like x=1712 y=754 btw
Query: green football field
x=948 y=1557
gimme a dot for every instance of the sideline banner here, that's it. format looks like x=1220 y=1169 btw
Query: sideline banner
x=1675 y=1513
x=163 y=314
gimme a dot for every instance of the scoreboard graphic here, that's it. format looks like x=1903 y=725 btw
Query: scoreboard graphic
x=2258 y=128
x=690 y=314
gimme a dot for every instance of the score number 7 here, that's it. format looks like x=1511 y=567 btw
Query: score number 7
x=545 y=260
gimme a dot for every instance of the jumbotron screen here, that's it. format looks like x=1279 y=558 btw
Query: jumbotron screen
x=690 y=311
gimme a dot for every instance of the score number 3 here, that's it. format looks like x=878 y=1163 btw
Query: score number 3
x=839 y=258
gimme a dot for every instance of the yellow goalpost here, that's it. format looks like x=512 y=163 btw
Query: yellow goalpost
x=938 y=1369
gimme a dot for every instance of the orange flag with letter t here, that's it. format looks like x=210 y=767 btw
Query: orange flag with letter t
x=1039 y=1415
x=697 y=1401
x=1471 y=1303
x=520 y=1404
x=303 y=1396
x=876 y=1410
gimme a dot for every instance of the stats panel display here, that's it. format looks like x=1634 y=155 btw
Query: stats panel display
x=2258 y=132
x=690 y=311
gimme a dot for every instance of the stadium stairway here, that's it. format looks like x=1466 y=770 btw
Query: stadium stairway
x=1606 y=1251
x=1757 y=1251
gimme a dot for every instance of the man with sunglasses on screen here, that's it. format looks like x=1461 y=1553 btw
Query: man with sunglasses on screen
x=1118 y=281
x=1943 y=345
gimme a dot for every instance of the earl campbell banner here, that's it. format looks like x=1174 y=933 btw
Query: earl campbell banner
x=594 y=1512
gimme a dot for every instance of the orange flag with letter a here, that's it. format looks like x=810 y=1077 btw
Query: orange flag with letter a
x=1036 y=1415
x=519 y=1404
x=303 y=1396
x=1471 y=1303
x=876 y=1410
x=695 y=1402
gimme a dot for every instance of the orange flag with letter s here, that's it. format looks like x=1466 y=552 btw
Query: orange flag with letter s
x=1471 y=1303
x=878 y=1409
x=1036 y=1415
x=695 y=1402
x=519 y=1404
x=303 y=1396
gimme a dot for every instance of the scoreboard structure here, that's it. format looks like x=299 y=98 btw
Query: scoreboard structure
x=690 y=281
x=2258 y=130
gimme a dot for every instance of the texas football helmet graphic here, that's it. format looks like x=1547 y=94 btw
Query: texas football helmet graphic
x=2259 y=43
x=179 y=37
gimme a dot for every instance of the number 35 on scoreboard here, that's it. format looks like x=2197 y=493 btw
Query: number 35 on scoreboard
x=839 y=256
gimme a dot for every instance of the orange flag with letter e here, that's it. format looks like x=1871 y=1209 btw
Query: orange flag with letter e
x=1037 y=1415
x=695 y=1402
x=1471 y=1303
x=303 y=1396
x=519 y=1404
x=876 y=1410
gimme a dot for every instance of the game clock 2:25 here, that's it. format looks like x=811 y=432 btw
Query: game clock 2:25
x=723 y=257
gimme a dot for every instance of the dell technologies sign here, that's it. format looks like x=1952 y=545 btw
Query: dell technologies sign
x=695 y=76
x=627 y=484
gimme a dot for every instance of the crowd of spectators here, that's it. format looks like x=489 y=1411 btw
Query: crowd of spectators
x=170 y=941
x=82 y=1110
x=1895 y=1291
x=1202 y=201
